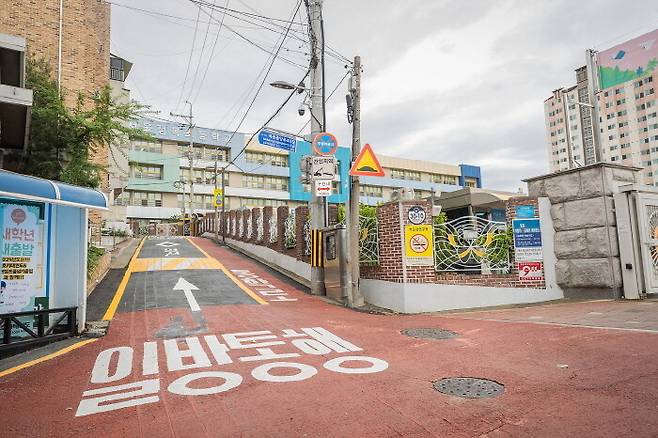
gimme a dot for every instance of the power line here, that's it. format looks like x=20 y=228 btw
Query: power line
x=276 y=113
x=328 y=99
x=189 y=61
x=212 y=53
x=260 y=87
x=203 y=48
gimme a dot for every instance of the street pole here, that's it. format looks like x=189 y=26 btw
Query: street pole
x=190 y=121
x=191 y=166
x=316 y=206
x=223 y=208
x=354 y=298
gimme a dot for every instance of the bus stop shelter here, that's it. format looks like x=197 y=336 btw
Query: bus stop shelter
x=43 y=240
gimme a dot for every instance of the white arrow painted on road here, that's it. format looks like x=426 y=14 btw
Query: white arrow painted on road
x=188 y=287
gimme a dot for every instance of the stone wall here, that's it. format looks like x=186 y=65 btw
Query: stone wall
x=585 y=242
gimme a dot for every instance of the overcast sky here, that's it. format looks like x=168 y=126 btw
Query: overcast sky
x=448 y=81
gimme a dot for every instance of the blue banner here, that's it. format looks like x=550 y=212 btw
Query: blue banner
x=527 y=233
x=277 y=140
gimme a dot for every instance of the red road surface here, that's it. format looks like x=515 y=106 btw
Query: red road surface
x=559 y=381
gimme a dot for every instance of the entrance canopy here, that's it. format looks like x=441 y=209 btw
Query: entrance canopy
x=31 y=188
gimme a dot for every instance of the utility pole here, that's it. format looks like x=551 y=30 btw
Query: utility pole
x=223 y=208
x=354 y=298
x=190 y=122
x=317 y=204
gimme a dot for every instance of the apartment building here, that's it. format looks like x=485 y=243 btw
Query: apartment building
x=156 y=184
x=620 y=123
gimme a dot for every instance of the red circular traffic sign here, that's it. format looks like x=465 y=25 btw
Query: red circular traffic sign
x=325 y=143
x=419 y=243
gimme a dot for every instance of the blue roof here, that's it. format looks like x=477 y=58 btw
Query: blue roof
x=15 y=185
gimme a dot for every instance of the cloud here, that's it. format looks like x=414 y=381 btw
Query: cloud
x=443 y=80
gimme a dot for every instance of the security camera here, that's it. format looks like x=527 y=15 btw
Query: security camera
x=301 y=110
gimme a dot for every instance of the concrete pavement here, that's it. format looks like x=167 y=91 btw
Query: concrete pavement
x=262 y=358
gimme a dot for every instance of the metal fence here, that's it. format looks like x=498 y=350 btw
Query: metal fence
x=472 y=244
x=289 y=235
x=368 y=241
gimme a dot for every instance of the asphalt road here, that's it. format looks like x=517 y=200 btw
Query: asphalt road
x=260 y=357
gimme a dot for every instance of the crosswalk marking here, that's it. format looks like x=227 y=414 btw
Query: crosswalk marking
x=174 y=264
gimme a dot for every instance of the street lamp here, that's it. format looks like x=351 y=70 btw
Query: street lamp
x=283 y=85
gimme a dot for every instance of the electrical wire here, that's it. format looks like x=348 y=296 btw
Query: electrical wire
x=276 y=113
x=203 y=48
x=299 y=3
x=212 y=52
x=328 y=99
x=189 y=61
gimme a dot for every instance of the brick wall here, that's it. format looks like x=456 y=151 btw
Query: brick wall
x=267 y=216
x=390 y=247
x=85 y=49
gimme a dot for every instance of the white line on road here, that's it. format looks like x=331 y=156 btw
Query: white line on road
x=188 y=287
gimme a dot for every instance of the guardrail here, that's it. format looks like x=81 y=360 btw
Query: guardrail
x=44 y=333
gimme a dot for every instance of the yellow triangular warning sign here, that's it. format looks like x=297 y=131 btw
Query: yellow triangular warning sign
x=366 y=164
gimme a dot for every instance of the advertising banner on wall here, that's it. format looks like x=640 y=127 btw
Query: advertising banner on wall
x=629 y=60
x=23 y=283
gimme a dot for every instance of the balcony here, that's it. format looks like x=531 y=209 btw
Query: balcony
x=15 y=100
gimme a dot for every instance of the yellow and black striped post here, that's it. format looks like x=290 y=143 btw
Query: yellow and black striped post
x=317 y=249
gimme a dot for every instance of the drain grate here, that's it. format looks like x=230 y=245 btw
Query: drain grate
x=429 y=333
x=469 y=387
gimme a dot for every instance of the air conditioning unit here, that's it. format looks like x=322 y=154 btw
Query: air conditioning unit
x=403 y=194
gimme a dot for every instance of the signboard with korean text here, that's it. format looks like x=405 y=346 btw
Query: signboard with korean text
x=323 y=187
x=323 y=167
x=527 y=240
x=23 y=283
x=418 y=245
x=277 y=140
x=531 y=271
x=325 y=143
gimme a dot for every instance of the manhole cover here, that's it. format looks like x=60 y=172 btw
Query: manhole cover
x=429 y=333
x=469 y=387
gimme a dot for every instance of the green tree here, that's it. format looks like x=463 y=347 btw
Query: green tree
x=62 y=140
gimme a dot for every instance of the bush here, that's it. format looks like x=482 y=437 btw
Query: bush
x=94 y=255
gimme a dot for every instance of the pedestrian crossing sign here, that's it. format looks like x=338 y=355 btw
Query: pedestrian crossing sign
x=366 y=164
x=218 y=198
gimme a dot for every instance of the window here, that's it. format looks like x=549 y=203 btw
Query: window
x=470 y=182
x=411 y=175
x=146 y=171
x=146 y=199
x=278 y=160
x=261 y=202
x=147 y=146
x=116 y=69
x=265 y=182
x=445 y=179
x=374 y=191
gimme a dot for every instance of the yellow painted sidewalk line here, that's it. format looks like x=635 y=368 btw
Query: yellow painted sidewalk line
x=230 y=275
x=112 y=308
x=47 y=357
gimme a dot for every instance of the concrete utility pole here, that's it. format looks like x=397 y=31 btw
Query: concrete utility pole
x=317 y=204
x=190 y=121
x=354 y=298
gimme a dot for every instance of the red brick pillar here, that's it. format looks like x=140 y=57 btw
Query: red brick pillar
x=246 y=219
x=301 y=217
x=233 y=222
x=267 y=216
x=256 y=214
x=281 y=216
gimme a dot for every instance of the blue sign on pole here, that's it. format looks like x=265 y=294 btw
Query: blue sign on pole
x=277 y=140
x=527 y=233
x=525 y=211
